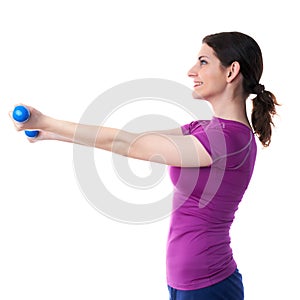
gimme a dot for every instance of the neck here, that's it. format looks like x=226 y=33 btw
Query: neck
x=231 y=108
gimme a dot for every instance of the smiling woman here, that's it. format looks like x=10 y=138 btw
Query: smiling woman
x=200 y=263
x=209 y=75
x=241 y=57
x=211 y=163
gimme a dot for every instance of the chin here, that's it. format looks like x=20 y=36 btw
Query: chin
x=197 y=96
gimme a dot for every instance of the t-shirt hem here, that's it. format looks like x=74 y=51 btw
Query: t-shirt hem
x=204 y=283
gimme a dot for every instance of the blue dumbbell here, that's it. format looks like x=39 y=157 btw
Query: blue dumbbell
x=21 y=114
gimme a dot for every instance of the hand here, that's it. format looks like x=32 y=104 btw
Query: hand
x=43 y=136
x=38 y=121
x=34 y=122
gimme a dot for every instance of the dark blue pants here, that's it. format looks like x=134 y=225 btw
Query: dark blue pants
x=230 y=288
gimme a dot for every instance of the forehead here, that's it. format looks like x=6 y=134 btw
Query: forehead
x=207 y=51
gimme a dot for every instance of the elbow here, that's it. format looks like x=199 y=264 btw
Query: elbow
x=123 y=144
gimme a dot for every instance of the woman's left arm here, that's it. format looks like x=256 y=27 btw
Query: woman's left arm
x=161 y=147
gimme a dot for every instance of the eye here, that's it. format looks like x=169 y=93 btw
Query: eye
x=203 y=62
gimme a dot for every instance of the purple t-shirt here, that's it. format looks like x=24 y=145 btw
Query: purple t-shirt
x=204 y=203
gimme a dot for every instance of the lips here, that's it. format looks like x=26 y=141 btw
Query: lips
x=197 y=83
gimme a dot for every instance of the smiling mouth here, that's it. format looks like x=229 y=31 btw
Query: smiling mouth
x=198 y=84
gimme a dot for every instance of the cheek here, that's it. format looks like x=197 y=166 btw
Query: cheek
x=217 y=80
x=213 y=84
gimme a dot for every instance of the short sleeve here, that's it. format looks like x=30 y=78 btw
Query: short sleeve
x=228 y=146
x=198 y=129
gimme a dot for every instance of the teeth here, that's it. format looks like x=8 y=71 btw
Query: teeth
x=198 y=83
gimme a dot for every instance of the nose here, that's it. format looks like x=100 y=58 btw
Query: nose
x=192 y=72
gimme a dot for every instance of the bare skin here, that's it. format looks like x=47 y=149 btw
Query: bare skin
x=220 y=86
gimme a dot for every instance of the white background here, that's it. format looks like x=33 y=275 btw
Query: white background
x=59 y=56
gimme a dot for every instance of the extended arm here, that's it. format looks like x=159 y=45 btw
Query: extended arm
x=167 y=147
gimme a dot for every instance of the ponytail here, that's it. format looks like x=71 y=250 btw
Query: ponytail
x=239 y=47
x=262 y=114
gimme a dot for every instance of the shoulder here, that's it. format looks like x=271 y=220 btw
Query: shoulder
x=224 y=139
x=232 y=143
x=194 y=126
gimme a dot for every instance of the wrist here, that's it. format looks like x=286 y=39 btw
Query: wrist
x=59 y=127
x=47 y=124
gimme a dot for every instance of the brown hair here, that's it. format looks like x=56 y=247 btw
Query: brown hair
x=236 y=46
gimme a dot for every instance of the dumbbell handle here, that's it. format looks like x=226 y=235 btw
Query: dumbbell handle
x=21 y=114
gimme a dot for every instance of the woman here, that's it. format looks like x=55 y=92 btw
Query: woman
x=211 y=163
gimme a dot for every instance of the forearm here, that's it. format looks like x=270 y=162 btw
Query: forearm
x=105 y=138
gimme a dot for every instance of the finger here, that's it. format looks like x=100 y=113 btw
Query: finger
x=16 y=124
x=33 y=140
x=10 y=114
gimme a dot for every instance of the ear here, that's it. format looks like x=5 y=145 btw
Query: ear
x=233 y=71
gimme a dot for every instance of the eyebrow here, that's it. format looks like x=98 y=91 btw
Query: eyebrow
x=201 y=56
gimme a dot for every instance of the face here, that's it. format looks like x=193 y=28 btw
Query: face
x=208 y=74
